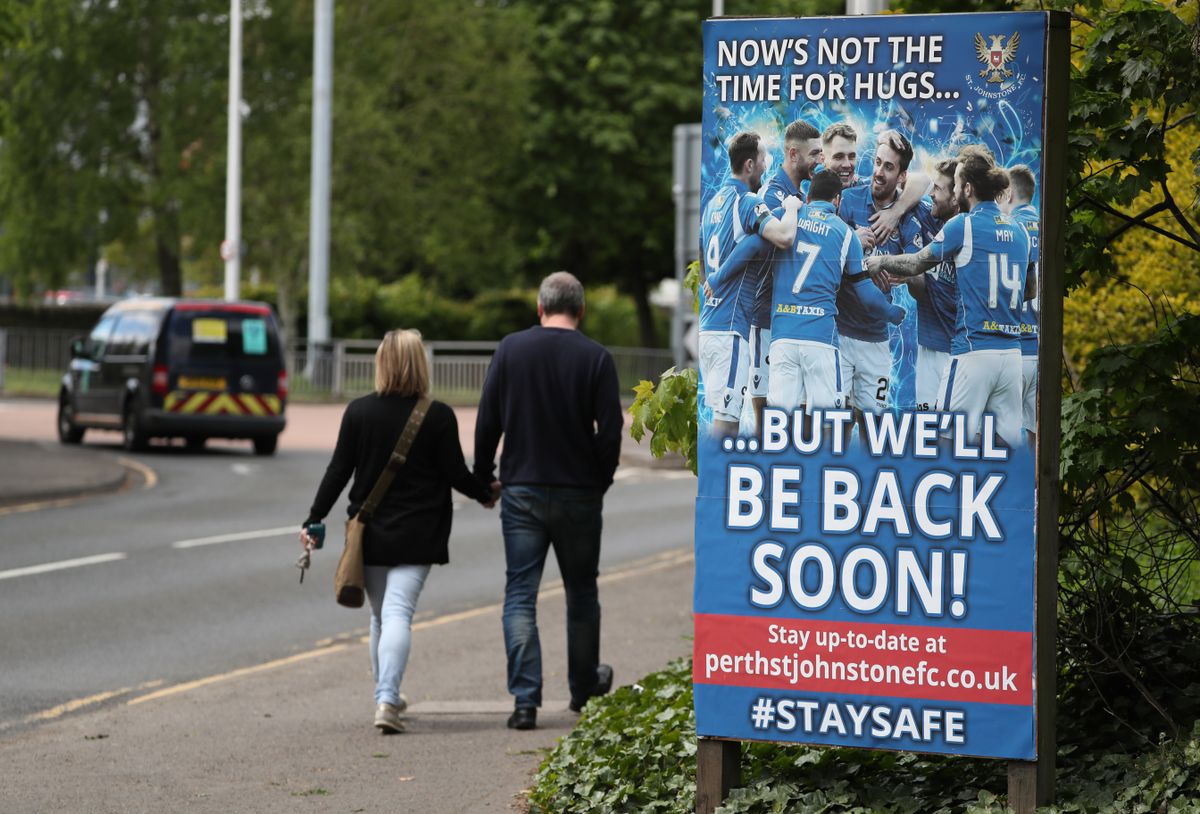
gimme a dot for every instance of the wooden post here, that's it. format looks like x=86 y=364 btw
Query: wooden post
x=718 y=769
x=1031 y=784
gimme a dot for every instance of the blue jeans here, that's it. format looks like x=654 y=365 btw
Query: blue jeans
x=393 y=593
x=533 y=519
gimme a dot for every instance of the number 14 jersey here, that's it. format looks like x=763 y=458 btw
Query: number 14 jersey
x=991 y=254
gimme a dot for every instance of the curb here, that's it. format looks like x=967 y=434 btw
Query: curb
x=102 y=474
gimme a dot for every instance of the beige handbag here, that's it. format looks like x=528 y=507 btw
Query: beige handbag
x=349 y=584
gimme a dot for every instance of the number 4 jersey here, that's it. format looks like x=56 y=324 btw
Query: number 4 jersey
x=991 y=254
x=731 y=216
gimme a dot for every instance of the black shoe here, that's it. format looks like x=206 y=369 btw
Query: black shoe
x=604 y=679
x=523 y=718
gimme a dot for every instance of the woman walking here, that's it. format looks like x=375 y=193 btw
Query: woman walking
x=409 y=531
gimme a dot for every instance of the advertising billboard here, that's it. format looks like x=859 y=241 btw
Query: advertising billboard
x=866 y=513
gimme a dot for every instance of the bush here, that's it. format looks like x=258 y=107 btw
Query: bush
x=634 y=751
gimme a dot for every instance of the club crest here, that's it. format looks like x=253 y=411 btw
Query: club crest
x=996 y=55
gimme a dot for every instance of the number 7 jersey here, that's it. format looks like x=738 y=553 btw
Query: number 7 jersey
x=990 y=252
x=808 y=277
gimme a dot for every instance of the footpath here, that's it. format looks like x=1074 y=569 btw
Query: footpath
x=296 y=734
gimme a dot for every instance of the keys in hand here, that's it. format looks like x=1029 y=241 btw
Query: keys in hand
x=303 y=563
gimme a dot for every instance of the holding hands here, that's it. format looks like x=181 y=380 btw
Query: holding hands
x=490 y=503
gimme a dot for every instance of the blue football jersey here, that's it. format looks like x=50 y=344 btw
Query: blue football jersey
x=1027 y=216
x=778 y=190
x=809 y=276
x=991 y=254
x=732 y=215
x=937 y=310
x=856 y=209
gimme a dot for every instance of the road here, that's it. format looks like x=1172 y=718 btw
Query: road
x=195 y=575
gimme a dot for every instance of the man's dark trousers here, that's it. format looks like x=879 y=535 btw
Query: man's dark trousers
x=533 y=519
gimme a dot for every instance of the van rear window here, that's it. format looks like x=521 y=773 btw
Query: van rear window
x=216 y=335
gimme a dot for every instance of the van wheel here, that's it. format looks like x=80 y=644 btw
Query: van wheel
x=68 y=433
x=135 y=438
x=266 y=444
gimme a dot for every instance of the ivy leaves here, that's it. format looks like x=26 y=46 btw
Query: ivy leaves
x=1135 y=76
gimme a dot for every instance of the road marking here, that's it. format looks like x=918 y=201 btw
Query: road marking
x=41 y=504
x=652 y=473
x=148 y=475
x=61 y=564
x=656 y=562
x=245 y=671
x=236 y=536
x=80 y=703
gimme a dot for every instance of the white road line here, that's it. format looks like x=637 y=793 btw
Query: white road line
x=236 y=536
x=60 y=565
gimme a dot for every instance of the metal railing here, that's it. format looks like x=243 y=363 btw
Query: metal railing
x=346 y=367
x=38 y=348
x=338 y=369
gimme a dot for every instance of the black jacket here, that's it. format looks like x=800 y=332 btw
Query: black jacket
x=553 y=394
x=411 y=526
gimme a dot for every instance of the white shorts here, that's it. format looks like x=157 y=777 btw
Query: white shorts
x=931 y=364
x=723 y=365
x=808 y=373
x=1029 y=385
x=760 y=348
x=866 y=373
x=985 y=381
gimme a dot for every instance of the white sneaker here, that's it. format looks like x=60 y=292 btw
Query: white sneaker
x=387 y=719
x=403 y=703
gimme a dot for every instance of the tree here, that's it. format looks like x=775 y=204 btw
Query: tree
x=112 y=118
x=428 y=119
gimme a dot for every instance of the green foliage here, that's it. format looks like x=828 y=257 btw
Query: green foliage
x=429 y=120
x=668 y=412
x=635 y=751
x=1130 y=534
x=108 y=121
x=630 y=751
x=1134 y=79
x=612 y=81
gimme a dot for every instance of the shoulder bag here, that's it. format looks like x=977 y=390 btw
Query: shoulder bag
x=349 y=584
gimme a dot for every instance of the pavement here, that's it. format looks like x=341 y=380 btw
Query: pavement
x=37 y=471
x=296 y=734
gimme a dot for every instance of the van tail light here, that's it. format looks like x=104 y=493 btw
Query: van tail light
x=158 y=384
x=281 y=385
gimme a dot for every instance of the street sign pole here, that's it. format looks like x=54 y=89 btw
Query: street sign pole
x=231 y=247
x=318 y=234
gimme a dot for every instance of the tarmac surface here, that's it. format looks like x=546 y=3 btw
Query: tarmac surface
x=296 y=734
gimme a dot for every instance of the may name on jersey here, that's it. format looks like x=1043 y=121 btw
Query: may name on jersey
x=991 y=254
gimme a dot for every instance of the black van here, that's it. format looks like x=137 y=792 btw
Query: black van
x=191 y=369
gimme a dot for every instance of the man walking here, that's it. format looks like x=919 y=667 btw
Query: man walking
x=553 y=394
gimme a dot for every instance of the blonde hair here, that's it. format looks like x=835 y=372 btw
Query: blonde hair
x=400 y=364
